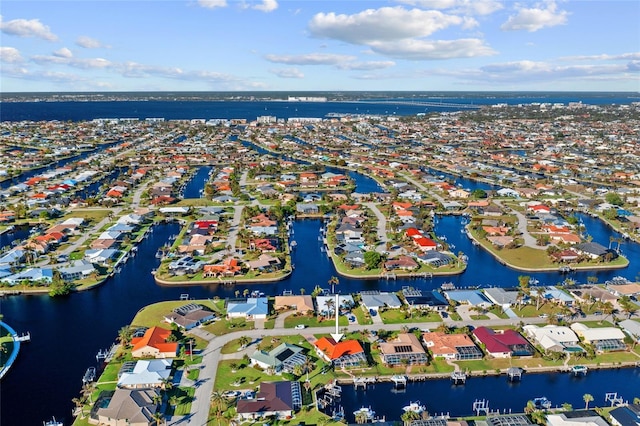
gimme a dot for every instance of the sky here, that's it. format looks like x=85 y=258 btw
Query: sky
x=307 y=45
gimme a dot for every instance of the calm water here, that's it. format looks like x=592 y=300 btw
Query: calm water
x=442 y=397
x=77 y=111
x=68 y=332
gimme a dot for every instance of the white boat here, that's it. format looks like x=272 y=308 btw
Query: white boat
x=53 y=422
x=367 y=411
x=415 y=407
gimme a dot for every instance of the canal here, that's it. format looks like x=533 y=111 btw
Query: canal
x=68 y=332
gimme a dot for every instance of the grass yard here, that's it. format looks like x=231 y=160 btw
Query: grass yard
x=184 y=398
x=225 y=326
x=396 y=316
x=153 y=315
x=362 y=316
x=90 y=215
x=312 y=321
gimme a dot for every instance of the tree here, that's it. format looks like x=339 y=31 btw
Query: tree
x=409 y=416
x=372 y=259
x=333 y=281
x=613 y=198
x=478 y=193
x=244 y=341
x=587 y=398
x=124 y=335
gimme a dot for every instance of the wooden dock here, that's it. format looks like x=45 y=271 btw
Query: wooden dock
x=458 y=377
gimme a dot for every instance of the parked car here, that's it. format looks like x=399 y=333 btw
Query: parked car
x=300 y=327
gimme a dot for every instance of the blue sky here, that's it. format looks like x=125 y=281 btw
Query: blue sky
x=298 y=45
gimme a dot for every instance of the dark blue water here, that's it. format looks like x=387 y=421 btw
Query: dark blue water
x=193 y=187
x=18 y=234
x=480 y=261
x=93 y=189
x=442 y=397
x=67 y=332
x=466 y=183
x=78 y=111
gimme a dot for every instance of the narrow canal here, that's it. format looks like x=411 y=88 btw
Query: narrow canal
x=68 y=332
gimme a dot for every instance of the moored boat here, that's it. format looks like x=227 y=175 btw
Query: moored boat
x=414 y=406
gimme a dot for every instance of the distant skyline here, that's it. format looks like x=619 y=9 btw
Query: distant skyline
x=300 y=45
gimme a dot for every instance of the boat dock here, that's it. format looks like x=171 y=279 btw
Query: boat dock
x=459 y=377
x=579 y=370
x=514 y=374
x=399 y=381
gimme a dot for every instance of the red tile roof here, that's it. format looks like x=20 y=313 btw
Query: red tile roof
x=335 y=350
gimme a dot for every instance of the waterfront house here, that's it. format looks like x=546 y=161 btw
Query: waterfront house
x=404 y=349
x=283 y=358
x=190 y=316
x=435 y=259
x=451 y=346
x=374 y=300
x=133 y=407
x=250 y=309
x=553 y=338
x=594 y=250
x=274 y=399
x=628 y=415
x=553 y=294
x=185 y=265
x=401 y=262
x=32 y=275
x=146 y=373
x=154 y=344
x=502 y=343
x=468 y=297
x=326 y=303
x=343 y=354
x=576 y=418
x=417 y=299
x=632 y=328
x=602 y=338
x=78 y=270
x=228 y=268
x=265 y=263
x=501 y=296
x=302 y=304
x=101 y=256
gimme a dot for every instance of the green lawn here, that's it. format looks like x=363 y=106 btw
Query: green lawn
x=396 y=316
x=312 y=321
x=362 y=316
x=225 y=326
x=184 y=398
x=153 y=315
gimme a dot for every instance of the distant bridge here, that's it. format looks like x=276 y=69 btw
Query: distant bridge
x=438 y=104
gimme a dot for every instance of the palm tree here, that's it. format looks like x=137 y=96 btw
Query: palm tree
x=409 y=416
x=244 y=341
x=333 y=281
x=308 y=366
x=530 y=407
x=124 y=335
x=157 y=416
x=218 y=403
x=302 y=291
x=361 y=418
x=587 y=398
x=330 y=303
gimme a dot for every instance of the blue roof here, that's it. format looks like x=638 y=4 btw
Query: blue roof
x=473 y=297
x=253 y=306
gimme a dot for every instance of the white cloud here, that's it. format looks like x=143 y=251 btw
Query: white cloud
x=523 y=71
x=212 y=4
x=27 y=28
x=89 y=43
x=604 y=57
x=63 y=53
x=310 y=59
x=468 y=7
x=288 y=73
x=536 y=18
x=366 y=66
x=61 y=59
x=10 y=55
x=428 y=50
x=266 y=6
x=384 y=24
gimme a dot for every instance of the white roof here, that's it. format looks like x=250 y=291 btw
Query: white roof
x=147 y=372
x=595 y=334
x=551 y=333
x=631 y=327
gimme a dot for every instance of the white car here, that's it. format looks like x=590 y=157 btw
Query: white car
x=300 y=327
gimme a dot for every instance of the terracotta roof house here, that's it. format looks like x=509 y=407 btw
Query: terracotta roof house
x=346 y=353
x=451 y=346
x=133 y=407
x=278 y=399
x=265 y=263
x=503 y=343
x=401 y=262
x=406 y=348
x=228 y=268
x=154 y=344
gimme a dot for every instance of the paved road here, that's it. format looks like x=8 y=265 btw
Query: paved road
x=381 y=228
x=212 y=356
x=529 y=240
